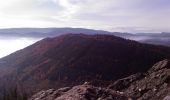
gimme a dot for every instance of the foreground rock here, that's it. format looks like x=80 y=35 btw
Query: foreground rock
x=80 y=92
x=152 y=85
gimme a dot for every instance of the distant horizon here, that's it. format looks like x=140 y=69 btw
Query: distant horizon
x=156 y=32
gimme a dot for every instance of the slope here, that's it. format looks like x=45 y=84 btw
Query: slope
x=71 y=59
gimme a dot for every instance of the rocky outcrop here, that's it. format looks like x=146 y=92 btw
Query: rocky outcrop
x=153 y=85
x=125 y=82
x=80 y=92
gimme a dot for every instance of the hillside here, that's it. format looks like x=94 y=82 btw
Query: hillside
x=71 y=59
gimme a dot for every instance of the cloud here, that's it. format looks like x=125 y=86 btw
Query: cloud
x=26 y=7
x=98 y=14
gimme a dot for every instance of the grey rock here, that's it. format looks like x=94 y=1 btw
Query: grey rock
x=167 y=98
x=80 y=92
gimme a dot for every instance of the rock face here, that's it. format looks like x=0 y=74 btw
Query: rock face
x=151 y=85
x=80 y=92
x=125 y=82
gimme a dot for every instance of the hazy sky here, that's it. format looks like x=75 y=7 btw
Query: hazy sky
x=115 y=15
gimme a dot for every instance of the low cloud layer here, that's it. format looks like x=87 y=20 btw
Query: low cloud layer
x=114 y=15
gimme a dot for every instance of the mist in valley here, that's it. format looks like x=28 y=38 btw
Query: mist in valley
x=9 y=44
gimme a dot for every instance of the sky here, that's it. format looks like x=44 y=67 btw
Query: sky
x=112 y=15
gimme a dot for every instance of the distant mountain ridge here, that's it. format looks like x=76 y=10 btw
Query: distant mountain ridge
x=150 y=38
x=52 y=32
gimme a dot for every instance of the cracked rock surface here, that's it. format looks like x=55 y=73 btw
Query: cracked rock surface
x=80 y=92
x=152 y=85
